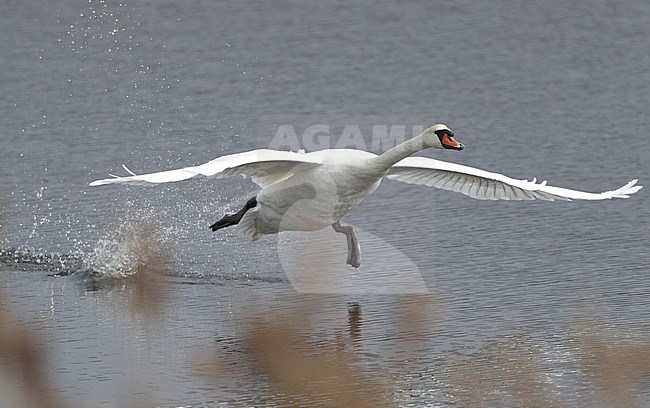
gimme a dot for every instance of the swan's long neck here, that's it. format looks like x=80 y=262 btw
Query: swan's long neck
x=403 y=150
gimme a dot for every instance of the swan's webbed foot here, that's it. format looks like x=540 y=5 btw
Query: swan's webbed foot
x=227 y=221
x=354 y=248
x=233 y=219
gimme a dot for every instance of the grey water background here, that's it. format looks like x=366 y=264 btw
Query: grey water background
x=556 y=90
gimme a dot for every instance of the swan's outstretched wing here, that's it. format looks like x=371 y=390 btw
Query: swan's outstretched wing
x=263 y=166
x=485 y=185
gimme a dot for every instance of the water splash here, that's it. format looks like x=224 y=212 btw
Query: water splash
x=29 y=258
x=115 y=256
x=123 y=253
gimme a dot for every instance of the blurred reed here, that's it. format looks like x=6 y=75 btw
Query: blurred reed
x=622 y=370
x=304 y=374
x=151 y=264
x=23 y=360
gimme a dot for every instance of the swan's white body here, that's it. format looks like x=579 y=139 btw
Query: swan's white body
x=311 y=191
x=315 y=197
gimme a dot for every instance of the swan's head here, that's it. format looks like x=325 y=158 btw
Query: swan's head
x=441 y=137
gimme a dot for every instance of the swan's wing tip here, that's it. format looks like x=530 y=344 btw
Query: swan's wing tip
x=627 y=190
x=128 y=170
x=633 y=190
x=100 y=182
x=631 y=185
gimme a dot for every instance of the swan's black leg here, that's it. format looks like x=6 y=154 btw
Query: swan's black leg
x=354 y=249
x=233 y=219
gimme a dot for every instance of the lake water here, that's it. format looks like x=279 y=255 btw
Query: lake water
x=458 y=302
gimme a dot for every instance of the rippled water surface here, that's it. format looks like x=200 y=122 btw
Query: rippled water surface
x=458 y=302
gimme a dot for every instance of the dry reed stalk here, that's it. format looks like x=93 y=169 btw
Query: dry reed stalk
x=302 y=372
x=24 y=362
x=622 y=370
x=21 y=357
x=148 y=262
x=151 y=265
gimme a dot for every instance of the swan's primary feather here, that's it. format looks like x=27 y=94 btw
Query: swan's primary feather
x=485 y=185
x=264 y=166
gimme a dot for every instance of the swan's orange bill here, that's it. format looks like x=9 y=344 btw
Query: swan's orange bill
x=450 y=141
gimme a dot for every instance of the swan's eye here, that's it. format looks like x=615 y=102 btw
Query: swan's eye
x=440 y=133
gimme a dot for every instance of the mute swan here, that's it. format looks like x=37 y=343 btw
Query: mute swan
x=311 y=191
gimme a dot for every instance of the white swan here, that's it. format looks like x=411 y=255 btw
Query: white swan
x=310 y=191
